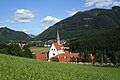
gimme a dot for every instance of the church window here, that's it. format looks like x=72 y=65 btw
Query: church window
x=53 y=54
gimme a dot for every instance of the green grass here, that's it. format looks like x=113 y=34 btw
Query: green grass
x=39 y=49
x=17 y=68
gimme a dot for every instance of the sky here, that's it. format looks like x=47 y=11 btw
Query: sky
x=35 y=16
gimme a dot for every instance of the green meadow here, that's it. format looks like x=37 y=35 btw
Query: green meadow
x=39 y=49
x=18 y=68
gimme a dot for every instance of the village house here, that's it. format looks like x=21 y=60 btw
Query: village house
x=43 y=57
x=56 y=51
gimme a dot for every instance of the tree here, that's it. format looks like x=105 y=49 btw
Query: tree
x=14 y=49
x=116 y=58
x=27 y=52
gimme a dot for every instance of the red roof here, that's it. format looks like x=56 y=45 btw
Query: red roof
x=66 y=57
x=58 y=46
x=74 y=54
x=41 y=56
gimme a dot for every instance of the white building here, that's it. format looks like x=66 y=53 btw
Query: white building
x=55 y=50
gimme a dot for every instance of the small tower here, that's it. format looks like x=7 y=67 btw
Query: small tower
x=58 y=38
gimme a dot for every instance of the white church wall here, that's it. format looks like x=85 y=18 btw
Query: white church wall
x=53 y=51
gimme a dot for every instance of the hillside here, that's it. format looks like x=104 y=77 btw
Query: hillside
x=105 y=46
x=83 y=23
x=11 y=35
x=17 y=68
x=109 y=39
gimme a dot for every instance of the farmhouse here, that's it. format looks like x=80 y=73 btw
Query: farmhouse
x=43 y=57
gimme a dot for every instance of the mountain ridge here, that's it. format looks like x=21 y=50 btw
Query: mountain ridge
x=12 y=35
x=83 y=23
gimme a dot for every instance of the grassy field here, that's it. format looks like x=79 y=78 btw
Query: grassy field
x=17 y=68
x=39 y=49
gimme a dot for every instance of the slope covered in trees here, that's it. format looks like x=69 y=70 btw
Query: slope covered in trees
x=105 y=46
x=7 y=34
x=83 y=23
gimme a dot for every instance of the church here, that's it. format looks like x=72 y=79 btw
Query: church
x=57 y=52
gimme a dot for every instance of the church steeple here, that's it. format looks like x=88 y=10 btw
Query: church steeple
x=58 y=37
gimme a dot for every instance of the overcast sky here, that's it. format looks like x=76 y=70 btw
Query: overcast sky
x=34 y=16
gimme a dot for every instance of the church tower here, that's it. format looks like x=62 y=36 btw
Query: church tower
x=56 y=48
x=58 y=38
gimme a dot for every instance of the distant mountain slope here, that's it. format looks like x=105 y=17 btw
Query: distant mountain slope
x=31 y=35
x=83 y=23
x=8 y=35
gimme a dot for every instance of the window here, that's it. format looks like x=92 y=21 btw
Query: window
x=53 y=54
x=53 y=49
x=65 y=57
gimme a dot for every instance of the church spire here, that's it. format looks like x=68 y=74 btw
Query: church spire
x=58 y=37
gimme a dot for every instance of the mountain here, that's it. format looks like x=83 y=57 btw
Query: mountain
x=11 y=35
x=83 y=23
x=31 y=35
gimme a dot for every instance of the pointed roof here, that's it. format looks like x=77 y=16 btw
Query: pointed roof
x=58 y=37
x=58 y=46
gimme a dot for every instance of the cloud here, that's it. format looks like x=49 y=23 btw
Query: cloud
x=71 y=12
x=22 y=15
x=116 y=3
x=102 y=3
x=50 y=20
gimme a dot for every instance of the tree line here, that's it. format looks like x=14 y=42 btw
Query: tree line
x=16 y=50
x=105 y=46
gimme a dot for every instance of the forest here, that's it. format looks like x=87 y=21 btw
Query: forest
x=105 y=46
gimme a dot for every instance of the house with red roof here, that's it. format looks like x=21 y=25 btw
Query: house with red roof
x=66 y=57
x=43 y=57
x=55 y=50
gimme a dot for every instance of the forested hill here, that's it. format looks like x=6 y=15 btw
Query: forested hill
x=103 y=45
x=7 y=34
x=83 y=23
